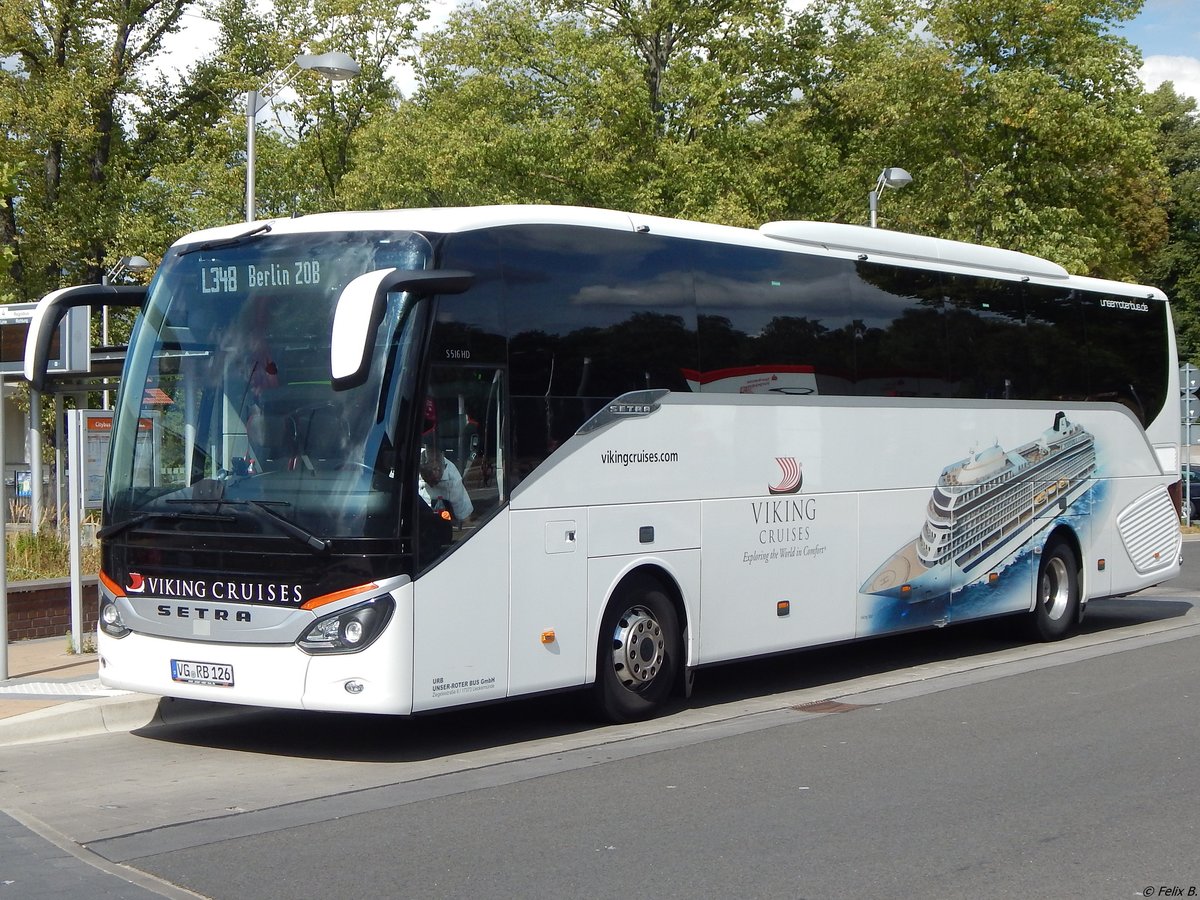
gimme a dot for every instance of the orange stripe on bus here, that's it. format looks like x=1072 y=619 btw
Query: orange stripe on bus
x=338 y=595
x=115 y=589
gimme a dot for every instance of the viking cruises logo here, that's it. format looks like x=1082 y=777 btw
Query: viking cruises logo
x=792 y=476
x=227 y=591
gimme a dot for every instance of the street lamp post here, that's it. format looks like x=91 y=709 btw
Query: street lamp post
x=892 y=177
x=124 y=266
x=333 y=65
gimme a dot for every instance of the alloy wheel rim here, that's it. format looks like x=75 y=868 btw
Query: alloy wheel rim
x=639 y=648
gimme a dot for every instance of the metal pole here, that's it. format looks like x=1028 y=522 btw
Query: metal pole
x=75 y=500
x=873 y=199
x=35 y=461
x=59 y=471
x=104 y=343
x=251 y=113
x=1187 y=474
x=3 y=548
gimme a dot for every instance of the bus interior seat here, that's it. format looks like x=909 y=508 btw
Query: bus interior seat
x=319 y=437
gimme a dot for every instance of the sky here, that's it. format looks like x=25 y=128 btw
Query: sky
x=1168 y=34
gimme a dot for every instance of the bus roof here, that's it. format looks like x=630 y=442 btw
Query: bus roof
x=824 y=238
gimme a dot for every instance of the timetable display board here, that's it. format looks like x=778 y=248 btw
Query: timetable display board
x=97 y=437
x=69 y=349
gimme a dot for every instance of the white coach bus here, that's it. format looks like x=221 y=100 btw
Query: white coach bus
x=661 y=445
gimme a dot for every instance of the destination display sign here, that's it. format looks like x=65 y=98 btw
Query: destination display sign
x=283 y=273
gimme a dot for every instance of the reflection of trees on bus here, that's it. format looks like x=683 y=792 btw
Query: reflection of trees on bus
x=580 y=316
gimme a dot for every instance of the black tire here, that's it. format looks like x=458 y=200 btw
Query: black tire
x=1057 y=605
x=638 y=654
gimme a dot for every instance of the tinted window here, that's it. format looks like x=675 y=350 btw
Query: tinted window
x=772 y=321
x=899 y=332
x=469 y=327
x=596 y=313
x=591 y=314
x=1057 y=362
x=988 y=349
x=1126 y=351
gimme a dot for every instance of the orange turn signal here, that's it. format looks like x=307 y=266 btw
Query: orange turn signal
x=548 y=636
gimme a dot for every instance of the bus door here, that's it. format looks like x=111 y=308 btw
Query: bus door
x=461 y=593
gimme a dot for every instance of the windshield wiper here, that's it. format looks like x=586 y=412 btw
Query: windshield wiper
x=227 y=242
x=264 y=513
x=258 y=510
x=117 y=527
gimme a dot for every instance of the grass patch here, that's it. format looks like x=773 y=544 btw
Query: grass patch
x=32 y=557
x=89 y=644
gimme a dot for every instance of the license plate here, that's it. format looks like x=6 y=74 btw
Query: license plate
x=192 y=672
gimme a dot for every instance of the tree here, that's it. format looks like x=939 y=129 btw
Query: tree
x=1019 y=119
x=110 y=159
x=1175 y=267
x=75 y=67
x=655 y=107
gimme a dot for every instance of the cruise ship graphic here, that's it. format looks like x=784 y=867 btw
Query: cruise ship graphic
x=984 y=508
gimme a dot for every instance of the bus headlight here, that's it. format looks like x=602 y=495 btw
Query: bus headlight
x=110 y=620
x=350 y=629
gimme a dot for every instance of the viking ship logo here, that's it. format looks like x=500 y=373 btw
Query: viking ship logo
x=137 y=583
x=792 y=476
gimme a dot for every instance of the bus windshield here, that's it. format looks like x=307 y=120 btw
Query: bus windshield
x=235 y=423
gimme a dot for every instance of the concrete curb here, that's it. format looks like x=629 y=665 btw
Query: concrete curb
x=79 y=718
x=108 y=715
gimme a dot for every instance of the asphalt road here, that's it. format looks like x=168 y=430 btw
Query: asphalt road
x=958 y=763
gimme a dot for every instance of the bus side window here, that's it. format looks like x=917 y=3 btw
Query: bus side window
x=1124 y=339
x=989 y=341
x=463 y=426
x=591 y=314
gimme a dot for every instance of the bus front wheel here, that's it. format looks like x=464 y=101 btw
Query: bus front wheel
x=1057 y=604
x=639 y=655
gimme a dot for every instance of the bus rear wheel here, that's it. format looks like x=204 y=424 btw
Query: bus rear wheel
x=1057 y=604
x=639 y=655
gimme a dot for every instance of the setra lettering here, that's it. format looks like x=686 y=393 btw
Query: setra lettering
x=203 y=612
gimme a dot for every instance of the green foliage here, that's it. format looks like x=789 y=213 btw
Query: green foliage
x=1175 y=266
x=1022 y=122
x=653 y=107
x=32 y=557
x=101 y=158
x=1018 y=119
x=73 y=70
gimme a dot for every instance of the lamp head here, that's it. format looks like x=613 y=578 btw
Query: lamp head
x=333 y=65
x=893 y=177
x=126 y=264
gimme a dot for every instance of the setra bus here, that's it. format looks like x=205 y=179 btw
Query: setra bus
x=678 y=444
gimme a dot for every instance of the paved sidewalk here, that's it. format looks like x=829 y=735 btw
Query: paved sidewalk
x=54 y=695
x=41 y=673
x=51 y=693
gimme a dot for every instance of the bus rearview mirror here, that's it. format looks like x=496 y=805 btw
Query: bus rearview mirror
x=360 y=309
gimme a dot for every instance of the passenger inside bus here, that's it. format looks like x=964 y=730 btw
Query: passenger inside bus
x=442 y=486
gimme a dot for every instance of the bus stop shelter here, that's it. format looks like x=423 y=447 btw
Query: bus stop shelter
x=58 y=361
